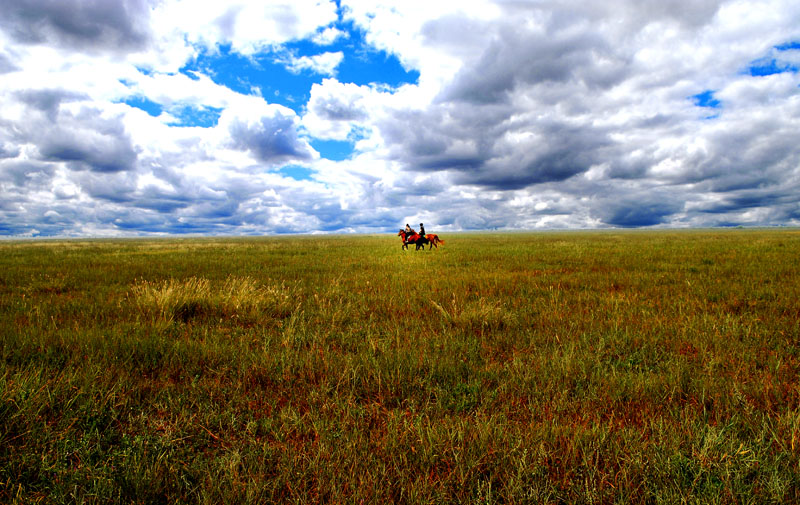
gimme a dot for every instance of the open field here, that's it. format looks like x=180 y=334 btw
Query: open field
x=564 y=367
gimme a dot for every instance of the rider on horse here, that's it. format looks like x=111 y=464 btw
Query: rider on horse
x=410 y=236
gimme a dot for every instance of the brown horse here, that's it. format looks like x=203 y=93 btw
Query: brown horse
x=419 y=240
x=434 y=240
x=415 y=238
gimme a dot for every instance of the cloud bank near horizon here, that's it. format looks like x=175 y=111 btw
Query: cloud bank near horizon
x=133 y=117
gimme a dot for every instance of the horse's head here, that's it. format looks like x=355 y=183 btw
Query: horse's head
x=401 y=233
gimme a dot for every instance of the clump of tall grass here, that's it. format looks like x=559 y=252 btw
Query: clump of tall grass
x=480 y=313
x=241 y=298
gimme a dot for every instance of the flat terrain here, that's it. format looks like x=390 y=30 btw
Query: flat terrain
x=564 y=367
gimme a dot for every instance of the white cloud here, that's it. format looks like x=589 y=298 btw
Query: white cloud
x=526 y=115
x=436 y=38
x=335 y=109
x=328 y=36
x=249 y=26
x=324 y=63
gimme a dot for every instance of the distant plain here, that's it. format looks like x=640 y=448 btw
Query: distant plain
x=552 y=367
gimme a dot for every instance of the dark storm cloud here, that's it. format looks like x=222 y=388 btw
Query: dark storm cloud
x=629 y=167
x=89 y=25
x=83 y=138
x=643 y=209
x=529 y=110
x=750 y=199
x=272 y=139
x=23 y=215
x=492 y=150
x=86 y=140
x=136 y=220
x=560 y=152
x=48 y=101
x=161 y=201
x=756 y=154
x=117 y=187
x=216 y=210
x=444 y=137
x=476 y=131
x=27 y=174
x=519 y=58
x=94 y=150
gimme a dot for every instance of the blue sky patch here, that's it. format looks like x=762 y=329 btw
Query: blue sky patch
x=706 y=99
x=268 y=74
x=184 y=116
x=246 y=76
x=362 y=64
x=336 y=150
x=205 y=117
x=769 y=66
x=788 y=46
x=144 y=104
x=296 y=172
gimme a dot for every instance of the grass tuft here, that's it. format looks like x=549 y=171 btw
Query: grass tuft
x=240 y=298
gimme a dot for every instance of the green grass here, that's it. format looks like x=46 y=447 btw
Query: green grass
x=564 y=367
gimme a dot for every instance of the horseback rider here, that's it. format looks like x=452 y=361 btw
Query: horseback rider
x=412 y=237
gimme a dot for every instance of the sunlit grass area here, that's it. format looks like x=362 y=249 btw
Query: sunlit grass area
x=561 y=367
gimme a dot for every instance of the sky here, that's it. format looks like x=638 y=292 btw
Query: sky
x=170 y=117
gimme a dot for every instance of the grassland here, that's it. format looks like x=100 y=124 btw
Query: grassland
x=597 y=367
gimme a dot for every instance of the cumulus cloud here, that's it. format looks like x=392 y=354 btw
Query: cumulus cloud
x=328 y=36
x=336 y=109
x=27 y=174
x=86 y=139
x=83 y=25
x=637 y=208
x=566 y=96
x=525 y=115
x=247 y=25
x=273 y=140
x=324 y=63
